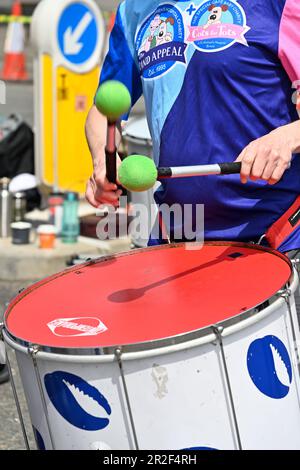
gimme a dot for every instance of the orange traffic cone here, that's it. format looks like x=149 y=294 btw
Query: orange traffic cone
x=111 y=22
x=14 y=67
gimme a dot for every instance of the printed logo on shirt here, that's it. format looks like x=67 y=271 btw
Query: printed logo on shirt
x=217 y=25
x=160 y=42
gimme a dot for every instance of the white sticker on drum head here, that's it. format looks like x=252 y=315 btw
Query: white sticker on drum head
x=69 y=327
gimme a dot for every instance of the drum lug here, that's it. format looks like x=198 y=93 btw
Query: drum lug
x=218 y=331
x=262 y=238
x=33 y=350
x=118 y=355
x=285 y=294
x=296 y=264
x=1 y=331
x=14 y=391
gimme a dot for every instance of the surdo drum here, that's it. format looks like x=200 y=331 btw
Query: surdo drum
x=162 y=348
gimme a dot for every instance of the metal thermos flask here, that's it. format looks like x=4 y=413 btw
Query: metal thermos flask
x=5 y=208
x=19 y=206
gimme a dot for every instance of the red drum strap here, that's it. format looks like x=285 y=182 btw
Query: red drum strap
x=284 y=226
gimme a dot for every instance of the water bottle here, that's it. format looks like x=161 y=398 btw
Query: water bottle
x=5 y=208
x=70 y=224
x=19 y=206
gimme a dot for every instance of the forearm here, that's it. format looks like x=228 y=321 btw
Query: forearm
x=96 y=134
x=292 y=134
x=296 y=130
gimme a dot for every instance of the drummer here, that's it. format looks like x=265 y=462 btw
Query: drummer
x=219 y=80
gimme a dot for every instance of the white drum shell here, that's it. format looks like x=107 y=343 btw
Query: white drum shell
x=180 y=395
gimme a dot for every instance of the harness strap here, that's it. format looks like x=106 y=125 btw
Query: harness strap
x=284 y=226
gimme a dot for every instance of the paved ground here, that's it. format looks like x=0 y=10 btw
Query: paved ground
x=11 y=437
x=10 y=429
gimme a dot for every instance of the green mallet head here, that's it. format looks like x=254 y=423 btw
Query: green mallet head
x=137 y=173
x=113 y=99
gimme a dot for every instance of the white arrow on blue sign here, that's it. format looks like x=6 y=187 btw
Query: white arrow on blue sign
x=77 y=33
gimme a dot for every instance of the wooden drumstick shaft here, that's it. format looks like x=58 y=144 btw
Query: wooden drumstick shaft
x=111 y=152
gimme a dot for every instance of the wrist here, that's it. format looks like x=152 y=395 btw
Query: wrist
x=293 y=136
x=98 y=156
x=296 y=140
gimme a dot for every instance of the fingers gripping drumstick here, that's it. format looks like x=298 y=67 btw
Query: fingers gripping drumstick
x=112 y=100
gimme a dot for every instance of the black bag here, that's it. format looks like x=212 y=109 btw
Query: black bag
x=16 y=147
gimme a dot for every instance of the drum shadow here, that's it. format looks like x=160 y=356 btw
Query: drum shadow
x=129 y=295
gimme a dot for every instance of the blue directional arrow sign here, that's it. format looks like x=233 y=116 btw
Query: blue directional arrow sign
x=77 y=33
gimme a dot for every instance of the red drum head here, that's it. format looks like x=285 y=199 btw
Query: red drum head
x=146 y=295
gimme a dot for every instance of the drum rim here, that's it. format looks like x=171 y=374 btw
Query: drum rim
x=157 y=343
x=132 y=138
x=127 y=135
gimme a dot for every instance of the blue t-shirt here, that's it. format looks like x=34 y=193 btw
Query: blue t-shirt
x=216 y=75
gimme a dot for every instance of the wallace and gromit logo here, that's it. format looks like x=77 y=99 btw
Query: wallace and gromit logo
x=217 y=25
x=160 y=42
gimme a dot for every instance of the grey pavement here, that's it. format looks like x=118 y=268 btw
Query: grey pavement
x=11 y=437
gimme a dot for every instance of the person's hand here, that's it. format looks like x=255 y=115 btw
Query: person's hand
x=269 y=157
x=99 y=190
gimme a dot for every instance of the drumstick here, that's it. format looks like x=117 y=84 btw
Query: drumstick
x=200 y=170
x=138 y=173
x=112 y=100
